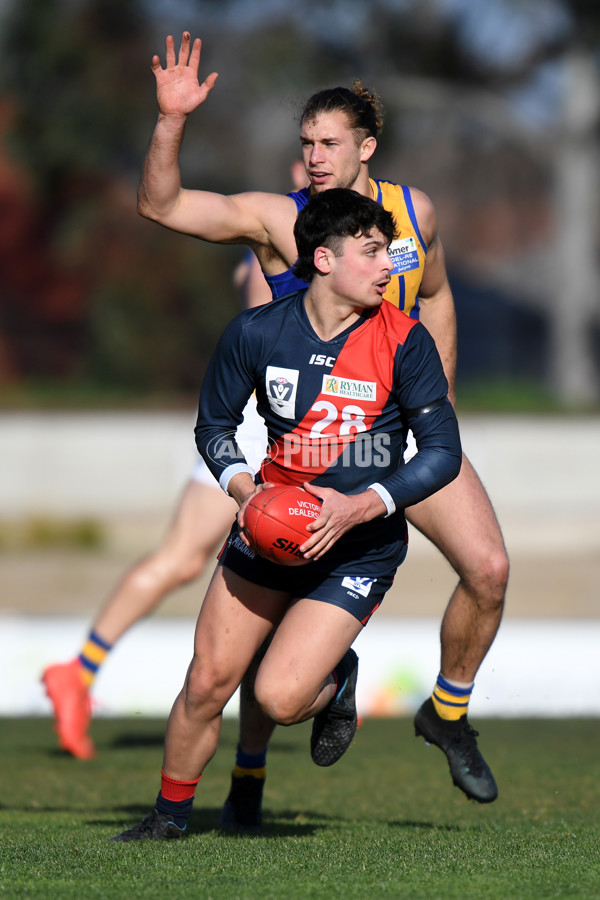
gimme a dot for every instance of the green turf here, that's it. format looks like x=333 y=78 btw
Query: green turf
x=384 y=822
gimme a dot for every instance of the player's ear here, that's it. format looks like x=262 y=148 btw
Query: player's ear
x=322 y=260
x=367 y=149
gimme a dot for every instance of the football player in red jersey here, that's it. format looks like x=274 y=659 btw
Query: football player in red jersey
x=388 y=378
x=338 y=133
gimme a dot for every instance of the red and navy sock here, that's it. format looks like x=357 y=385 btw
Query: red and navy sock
x=176 y=799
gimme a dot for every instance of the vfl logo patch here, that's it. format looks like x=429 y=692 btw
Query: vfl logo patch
x=360 y=585
x=282 y=386
x=403 y=254
x=349 y=388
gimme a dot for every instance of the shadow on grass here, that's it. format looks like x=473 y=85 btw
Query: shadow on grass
x=136 y=740
x=283 y=823
x=133 y=740
x=207 y=820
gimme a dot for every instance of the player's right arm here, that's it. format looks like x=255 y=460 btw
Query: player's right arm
x=249 y=218
x=228 y=384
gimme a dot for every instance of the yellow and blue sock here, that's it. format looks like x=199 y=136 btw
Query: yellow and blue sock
x=94 y=652
x=252 y=764
x=451 y=699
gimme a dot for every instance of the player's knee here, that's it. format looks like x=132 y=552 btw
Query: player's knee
x=167 y=571
x=279 y=704
x=488 y=580
x=190 y=567
x=496 y=573
x=206 y=690
x=148 y=577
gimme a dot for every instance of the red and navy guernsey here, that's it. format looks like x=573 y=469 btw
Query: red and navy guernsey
x=337 y=412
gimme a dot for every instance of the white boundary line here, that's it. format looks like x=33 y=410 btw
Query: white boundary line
x=540 y=668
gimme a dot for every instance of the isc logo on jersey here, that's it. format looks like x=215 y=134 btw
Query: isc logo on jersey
x=282 y=387
x=319 y=359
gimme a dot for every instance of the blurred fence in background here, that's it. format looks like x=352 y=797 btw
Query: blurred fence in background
x=124 y=472
x=541 y=472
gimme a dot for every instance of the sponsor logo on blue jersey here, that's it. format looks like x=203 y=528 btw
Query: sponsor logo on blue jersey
x=403 y=254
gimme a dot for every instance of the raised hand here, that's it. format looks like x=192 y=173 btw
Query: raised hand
x=178 y=89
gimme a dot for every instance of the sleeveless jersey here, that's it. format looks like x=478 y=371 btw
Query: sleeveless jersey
x=408 y=251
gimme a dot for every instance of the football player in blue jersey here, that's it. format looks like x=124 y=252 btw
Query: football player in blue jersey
x=388 y=378
x=338 y=133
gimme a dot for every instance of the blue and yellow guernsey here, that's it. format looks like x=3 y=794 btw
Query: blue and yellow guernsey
x=408 y=251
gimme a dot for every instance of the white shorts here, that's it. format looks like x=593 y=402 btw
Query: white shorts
x=252 y=438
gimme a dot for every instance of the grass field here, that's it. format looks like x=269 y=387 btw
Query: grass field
x=384 y=822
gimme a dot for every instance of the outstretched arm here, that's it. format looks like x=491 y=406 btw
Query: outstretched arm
x=242 y=218
x=179 y=93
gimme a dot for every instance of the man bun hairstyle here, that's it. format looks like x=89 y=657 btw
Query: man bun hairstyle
x=362 y=107
x=331 y=216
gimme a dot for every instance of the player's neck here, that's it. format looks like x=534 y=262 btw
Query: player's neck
x=362 y=185
x=327 y=315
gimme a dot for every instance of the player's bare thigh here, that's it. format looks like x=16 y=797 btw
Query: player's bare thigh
x=460 y=521
x=203 y=518
x=308 y=644
x=235 y=618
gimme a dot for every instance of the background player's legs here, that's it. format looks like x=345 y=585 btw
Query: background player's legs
x=255 y=728
x=461 y=522
x=242 y=810
x=202 y=519
x=204 y=516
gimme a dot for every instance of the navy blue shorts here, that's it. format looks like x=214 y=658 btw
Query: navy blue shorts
x=358 y=586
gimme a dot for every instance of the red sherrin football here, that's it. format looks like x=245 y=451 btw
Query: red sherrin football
x=275 y=523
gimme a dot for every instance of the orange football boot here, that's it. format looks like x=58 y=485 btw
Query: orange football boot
x=72 y=708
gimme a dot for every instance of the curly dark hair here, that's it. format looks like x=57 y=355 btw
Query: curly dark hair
x=331 y=216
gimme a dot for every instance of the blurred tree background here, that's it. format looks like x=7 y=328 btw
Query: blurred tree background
x=492 y=109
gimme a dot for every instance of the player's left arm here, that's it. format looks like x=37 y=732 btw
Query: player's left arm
x=421 y=393
x=438 y=314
